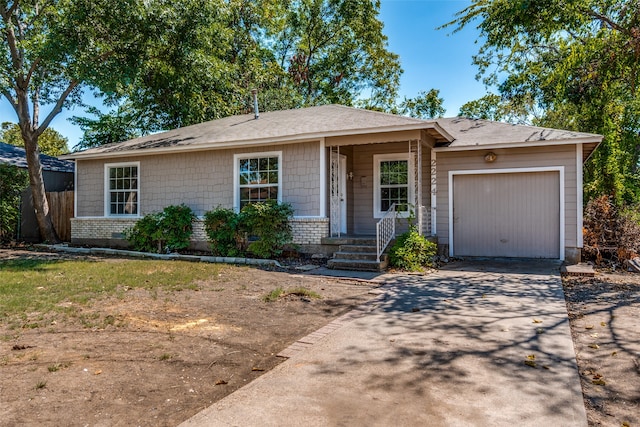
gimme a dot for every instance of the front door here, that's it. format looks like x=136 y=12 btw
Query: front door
x=343 y=193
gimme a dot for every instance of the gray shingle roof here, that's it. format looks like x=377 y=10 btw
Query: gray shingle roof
x=272 y=126
x=10 y=154
x=325 y=121
x=471 y=132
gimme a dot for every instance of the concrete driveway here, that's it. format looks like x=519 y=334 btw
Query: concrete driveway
x=446 y=349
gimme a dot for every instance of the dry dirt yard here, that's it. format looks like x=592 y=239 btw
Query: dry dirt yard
x=604 y=312
x=153 y=358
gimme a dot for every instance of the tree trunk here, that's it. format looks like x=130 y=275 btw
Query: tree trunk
x=36 y=182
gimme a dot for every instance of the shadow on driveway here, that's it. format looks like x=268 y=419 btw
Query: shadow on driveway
x=469 y=345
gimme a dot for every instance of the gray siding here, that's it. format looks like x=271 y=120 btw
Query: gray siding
x=363 y=185
x=509 y=158
x=203 y=180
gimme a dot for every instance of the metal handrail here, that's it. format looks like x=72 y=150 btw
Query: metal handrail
x=385 y=230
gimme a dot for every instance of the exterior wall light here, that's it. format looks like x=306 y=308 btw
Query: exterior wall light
x=490 y=157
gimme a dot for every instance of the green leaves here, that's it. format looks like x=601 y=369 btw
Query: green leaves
x=266 y=224
x=12 y=181
x=570 y=65
x=200 y=61
x=51 y=142
x=166 y=231
x=412 y=252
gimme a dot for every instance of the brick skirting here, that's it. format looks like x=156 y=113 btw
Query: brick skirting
x=306 y=231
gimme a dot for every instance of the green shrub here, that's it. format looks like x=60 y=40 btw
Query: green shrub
x=222 y=228
x=412 y=251
x=268 y=222
x=140 y=236
x=12 y=181
x=166 y=231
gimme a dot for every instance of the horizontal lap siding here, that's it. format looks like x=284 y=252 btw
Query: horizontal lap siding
x=364 y=186
x=204 y=180
x=509 y=158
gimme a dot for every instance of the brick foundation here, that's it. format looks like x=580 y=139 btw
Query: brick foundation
x=110 y=231
x=309 y=231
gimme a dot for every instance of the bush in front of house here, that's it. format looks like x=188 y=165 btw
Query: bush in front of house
x=12 y=181
x=221 y=226
x=269 y=223
x=412 y=252
x=166 y=231
x=266 y=225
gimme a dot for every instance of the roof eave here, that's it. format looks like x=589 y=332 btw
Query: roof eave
x=289 y=139
x=522 y=144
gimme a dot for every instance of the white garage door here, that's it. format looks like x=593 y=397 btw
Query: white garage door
x=507 y=215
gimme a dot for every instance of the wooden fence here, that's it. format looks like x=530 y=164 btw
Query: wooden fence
x=61 y=208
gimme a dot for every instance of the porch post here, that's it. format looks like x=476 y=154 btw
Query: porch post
x=415 y=153
x=434 y=192
x=334 y=184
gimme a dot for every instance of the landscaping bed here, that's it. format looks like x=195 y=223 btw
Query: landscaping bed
x=110 y=341
x=604 y=312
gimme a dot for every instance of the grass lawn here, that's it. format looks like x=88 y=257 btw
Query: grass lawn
x=54 y=287
x=107 y=341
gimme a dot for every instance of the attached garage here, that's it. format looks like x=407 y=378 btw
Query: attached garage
x=507 y=213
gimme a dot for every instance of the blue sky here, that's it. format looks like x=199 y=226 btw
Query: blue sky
x=430 y=58
x=433 y=58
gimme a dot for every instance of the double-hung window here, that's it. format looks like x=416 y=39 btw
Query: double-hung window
x=393 y=183
x=257 y=178
x=122 y=189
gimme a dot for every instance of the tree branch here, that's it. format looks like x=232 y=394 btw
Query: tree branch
x=12 y=42
x=35 y=101
x=12 y=101
x=58 y=107
x=32 y=69
x=606 y=20
x=13 y=8
x=6 y=13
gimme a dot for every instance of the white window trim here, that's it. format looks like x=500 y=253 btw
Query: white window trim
x=580 y=201
x=559 y=169
x=377 y=158
x=107 y=198
x=236 y=174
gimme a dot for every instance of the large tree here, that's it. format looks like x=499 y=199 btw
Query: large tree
x=576 y=62
x=296 y=53
x=50 y=50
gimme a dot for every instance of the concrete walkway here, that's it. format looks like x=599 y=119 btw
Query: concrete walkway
x=447 y=349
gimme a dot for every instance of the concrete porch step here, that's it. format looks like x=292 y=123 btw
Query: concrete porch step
x=360 y=265
x=359 y=248
x=357 y=256
x=350 y=240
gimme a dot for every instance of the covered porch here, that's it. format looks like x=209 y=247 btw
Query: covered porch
x=377 y=185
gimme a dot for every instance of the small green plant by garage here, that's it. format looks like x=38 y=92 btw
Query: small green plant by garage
x=166 y=231
x=266 y=223
x=412 y=252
